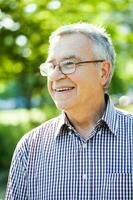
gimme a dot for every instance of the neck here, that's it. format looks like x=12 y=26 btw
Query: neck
x=84 y=119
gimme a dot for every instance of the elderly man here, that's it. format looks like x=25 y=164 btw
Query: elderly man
x=86 y=152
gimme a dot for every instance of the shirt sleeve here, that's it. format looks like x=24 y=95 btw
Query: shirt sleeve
x=17 y=180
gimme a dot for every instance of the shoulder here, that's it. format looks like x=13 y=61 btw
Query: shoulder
x=124 y=114
x=125 y=120
x=34 y=138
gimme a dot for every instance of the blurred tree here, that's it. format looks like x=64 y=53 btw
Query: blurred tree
x=25 y=26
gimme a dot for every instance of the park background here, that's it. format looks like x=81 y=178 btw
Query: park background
x=25 y=26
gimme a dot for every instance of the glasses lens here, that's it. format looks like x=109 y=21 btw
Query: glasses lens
x=67 y=67
x=46 y=69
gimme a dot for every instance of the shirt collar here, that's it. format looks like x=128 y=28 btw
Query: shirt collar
x=109 y=117
x=63 y=121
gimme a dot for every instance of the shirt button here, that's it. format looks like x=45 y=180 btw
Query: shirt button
x=84 y=176
x=84 y=145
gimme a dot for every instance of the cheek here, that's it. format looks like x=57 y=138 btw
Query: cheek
x=88 y=84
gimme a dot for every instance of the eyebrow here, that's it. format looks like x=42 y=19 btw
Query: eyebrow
x=65 y=58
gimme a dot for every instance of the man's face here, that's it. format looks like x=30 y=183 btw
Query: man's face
x=80 y=88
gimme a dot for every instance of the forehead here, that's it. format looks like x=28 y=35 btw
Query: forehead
x=75 y=44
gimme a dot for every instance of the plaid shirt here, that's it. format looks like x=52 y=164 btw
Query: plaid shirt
x=53 y=162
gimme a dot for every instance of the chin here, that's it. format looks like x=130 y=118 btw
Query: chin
x=64 y=106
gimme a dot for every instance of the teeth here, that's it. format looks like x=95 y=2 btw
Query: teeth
x=63 y=89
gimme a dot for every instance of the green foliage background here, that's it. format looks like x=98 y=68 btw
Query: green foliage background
x=33 y=21
x=36 y=19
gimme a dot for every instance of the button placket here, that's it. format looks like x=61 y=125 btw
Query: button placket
x=84 y=149
x=84 y=172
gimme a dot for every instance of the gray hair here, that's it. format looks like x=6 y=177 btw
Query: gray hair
x=102 y=44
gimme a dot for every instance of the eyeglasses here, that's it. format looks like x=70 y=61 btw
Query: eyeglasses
x=65 y=67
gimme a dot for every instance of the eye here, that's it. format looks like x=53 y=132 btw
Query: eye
x=67 y=63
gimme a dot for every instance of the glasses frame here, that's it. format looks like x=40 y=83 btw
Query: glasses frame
x=60 y=69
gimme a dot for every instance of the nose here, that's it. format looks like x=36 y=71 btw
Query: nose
x=56 y=74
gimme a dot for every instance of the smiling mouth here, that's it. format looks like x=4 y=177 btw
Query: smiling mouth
x=63 y=89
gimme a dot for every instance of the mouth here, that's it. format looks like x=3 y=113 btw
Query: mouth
x=65 y=89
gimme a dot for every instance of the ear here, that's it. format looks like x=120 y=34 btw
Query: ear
x=105 y=72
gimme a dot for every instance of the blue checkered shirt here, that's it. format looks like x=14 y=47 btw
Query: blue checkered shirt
x=53 y=162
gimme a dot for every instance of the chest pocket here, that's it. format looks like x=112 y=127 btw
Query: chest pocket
x=117 y=186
